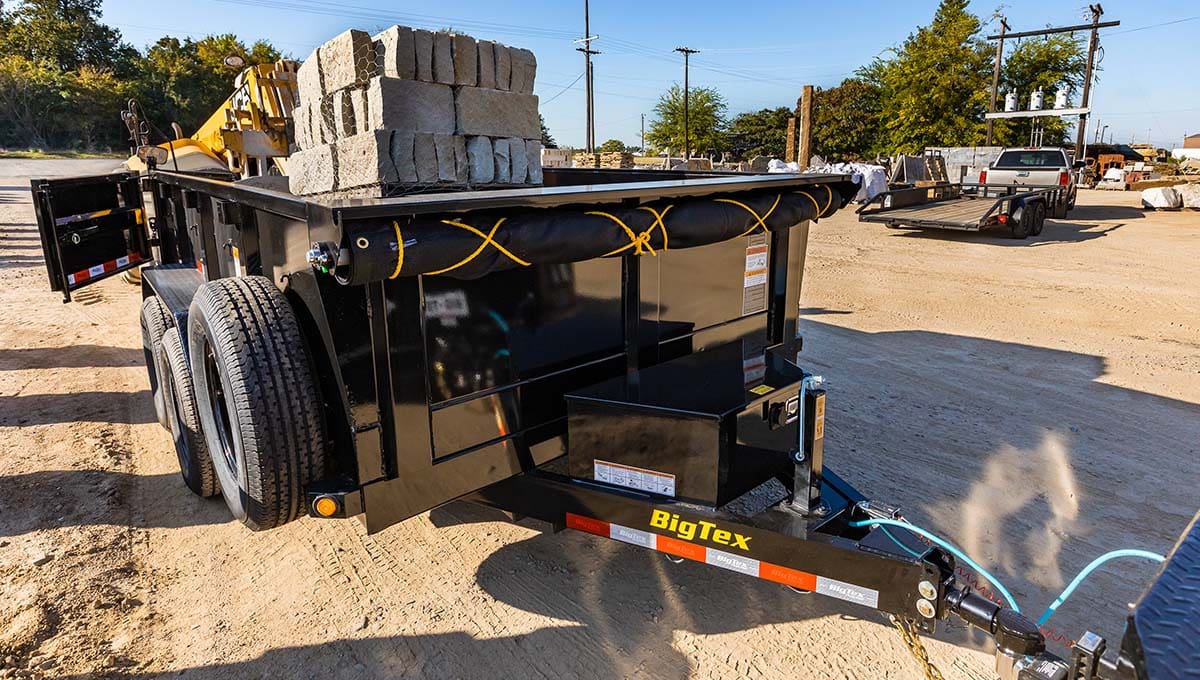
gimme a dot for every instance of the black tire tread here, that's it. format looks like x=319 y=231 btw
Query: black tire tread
x=274 y=394
x=155 y=320
x=201 y=479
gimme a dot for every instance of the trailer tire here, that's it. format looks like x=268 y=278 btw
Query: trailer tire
x=1018 y=221
x=1060 y=209
x=257 y=395
x=155 y=319
x=1039 y=218
x=195 y=463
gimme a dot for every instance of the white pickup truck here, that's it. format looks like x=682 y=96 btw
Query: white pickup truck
x=1035 y=167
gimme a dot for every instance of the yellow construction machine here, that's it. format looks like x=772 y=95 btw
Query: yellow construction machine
x=248 y=135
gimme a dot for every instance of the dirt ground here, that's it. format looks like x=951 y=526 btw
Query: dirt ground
x=1034 y=401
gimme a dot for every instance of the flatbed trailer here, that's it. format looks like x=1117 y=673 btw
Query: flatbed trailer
x=617 y=353
x=1021 y=210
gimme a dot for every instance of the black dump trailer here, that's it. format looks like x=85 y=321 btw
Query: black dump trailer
x=1020 y=210
x=615 y=352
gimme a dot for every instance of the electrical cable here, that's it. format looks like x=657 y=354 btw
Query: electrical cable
x=895 y=540
x=1012 y=602
x=563 y=91
x=1062 y=597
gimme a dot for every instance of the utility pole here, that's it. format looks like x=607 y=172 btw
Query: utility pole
x=643 y=134
x=1093 y=39
x=587 y=73
x=996 y=76
x=687 y=129
x=806 y=126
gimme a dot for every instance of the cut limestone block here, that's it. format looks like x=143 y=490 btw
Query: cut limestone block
x=524 y=69
x=410 y=105
x=520 y=162
x=362 y=112
x=443 y=58
x=462 y=163
x=396 y=53
x=466 y=60
x=481 y=163
x=423 y=46
x=533 y=159
x=495 y=113
x=301 y=128
x=365 y=159
x=487 y=64
x=346 y=61
x=402 y=156
x=503 y=66
x=324 y=122
x=343 y=113
x=444 y=146
x=308 y=77
x=503 y=162
x=313 y=171
x=425 y=158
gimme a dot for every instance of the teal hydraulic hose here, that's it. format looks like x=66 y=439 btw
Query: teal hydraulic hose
x=1012 y=602
x=1128 y=552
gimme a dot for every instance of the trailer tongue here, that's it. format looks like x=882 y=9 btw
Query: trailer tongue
x=616 y=353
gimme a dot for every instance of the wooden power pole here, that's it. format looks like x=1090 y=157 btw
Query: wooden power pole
x=687 y=124
x=806 y=126
x=996 y=77
x=789 y=153
x=1093 y=38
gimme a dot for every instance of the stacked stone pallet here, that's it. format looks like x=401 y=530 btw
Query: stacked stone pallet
x=409 y=109
x=608 y=159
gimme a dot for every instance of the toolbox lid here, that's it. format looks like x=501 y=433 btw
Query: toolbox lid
x=713 y=383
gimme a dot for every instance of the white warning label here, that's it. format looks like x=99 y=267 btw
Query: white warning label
x=634 y=477
x=754 y=286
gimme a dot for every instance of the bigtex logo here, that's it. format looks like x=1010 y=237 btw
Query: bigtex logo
x=689 y=531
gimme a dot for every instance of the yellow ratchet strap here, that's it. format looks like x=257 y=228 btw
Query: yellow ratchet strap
x=639 y=242
x=487 y=238
x=829 y=203
x=399 y=250
x=759 y=221
x=816 y=205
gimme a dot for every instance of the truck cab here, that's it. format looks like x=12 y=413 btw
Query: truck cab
x=1034 y=167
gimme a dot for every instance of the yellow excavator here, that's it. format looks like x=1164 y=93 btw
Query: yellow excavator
x=248 y=135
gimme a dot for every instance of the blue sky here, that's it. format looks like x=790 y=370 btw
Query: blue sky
x=758 y=54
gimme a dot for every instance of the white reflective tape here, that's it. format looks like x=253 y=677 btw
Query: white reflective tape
x=848 y=592
x=122 y=261
x=96 y=271
x=71 y=279
x=724 y=560
x=633 y=536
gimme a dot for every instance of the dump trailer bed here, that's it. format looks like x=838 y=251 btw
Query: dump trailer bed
x=965 y=207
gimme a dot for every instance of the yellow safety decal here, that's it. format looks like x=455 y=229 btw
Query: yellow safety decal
x=759 y=221
x=487 y=238
x=762 y=389
x=658 y=221
x=639 y=242
x=399 y=249
x=137 y=215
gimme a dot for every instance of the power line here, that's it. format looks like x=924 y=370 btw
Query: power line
x=563 y=90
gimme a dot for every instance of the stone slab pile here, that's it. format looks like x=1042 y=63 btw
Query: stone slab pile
x=607 y=159
x=409 y=110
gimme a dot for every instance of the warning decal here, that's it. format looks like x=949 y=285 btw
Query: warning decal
x=754 y=286
x=634 y=478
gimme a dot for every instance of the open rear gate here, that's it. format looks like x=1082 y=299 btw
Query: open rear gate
x=91 y=228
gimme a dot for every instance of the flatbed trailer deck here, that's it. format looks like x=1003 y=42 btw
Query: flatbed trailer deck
x=965 y=207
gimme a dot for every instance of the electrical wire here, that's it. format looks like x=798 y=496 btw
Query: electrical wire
x=1095 y=564
x=564 y=90
x=1012 y=602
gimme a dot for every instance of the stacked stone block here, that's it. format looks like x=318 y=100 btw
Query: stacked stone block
x=608 y=159
x=409 y=110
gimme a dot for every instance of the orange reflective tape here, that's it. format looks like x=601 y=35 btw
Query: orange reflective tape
x=591 y=526
x=786 y=576
x=674 y=546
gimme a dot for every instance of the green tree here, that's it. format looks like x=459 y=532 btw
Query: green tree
x=847 y=121
x=1051 y=63
x=94 y=96
x=706 y=121
x=66 y=34
x=759 y=133
x=612 y=145
x=547 y=138
x=934 y=88
x=30 y=101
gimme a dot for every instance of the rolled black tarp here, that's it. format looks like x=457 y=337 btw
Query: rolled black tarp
x=471 y=245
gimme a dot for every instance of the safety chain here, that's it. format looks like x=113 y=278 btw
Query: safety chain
x=912 y=640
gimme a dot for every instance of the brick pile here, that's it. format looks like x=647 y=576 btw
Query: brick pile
x=409 y=110
x=608 y=159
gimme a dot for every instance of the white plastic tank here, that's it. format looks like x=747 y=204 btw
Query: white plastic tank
x=1010 y=101
x=1060 y=98
x=1037 y=100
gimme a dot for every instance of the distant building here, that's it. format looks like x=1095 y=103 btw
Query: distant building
x=1191 y=142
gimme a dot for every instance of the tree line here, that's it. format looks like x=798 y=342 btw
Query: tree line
x=65 y=76
x=931 y=90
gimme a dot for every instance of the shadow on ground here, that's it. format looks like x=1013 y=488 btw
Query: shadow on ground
x=1017 y=452
x=1054 y=232
x=133 y=408
x=75 y=356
